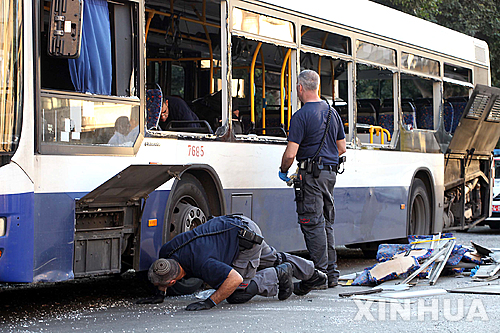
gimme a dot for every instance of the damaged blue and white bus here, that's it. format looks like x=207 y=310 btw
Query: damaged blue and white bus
x=93 y=181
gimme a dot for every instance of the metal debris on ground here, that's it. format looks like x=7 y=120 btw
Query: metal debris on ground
x=381 y=298
x=417 y=293
x=383 y=287
x=491 y=289
x=428 y=257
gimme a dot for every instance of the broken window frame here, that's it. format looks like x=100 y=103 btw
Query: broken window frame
x=287 y=106
x=133 y=100
x=393 y=64
x=237 y=8
x=350 y=86
x=436 y=97
x=419 y=59
x=447 y=76
x=395 y=97
x=349 y=40
x=222 y=70
x=293 y=47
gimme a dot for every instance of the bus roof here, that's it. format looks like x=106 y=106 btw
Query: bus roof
x=387 y=22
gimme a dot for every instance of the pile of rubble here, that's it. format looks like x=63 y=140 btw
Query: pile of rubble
x=425 y=258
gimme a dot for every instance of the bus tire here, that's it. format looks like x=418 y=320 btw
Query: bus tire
x=419 y=218
x=189 y=206
x=189 y=210
x=494 y=226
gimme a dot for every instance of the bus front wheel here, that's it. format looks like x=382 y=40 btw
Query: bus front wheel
x=189 y=210
x=419 y=222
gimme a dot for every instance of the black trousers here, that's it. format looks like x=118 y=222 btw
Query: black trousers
x=316 y=215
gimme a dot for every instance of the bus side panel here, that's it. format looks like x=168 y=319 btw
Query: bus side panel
x=364 y=214
x=16 y=262
x=151 y=233
x=55 y=234
x=371 y=197
x=274 y=210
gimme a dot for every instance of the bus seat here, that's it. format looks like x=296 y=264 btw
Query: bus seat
x=368 y=111
x=424 y=117
x=425 y=113
x=273 y=121
x=409 y=119
x=153 y=108
x=342 y=110
x=386 y=115
x=409 y=112
x=459 y=110
x=370 y=120
x=386 y=120
x=453 y=109
x=448 y=115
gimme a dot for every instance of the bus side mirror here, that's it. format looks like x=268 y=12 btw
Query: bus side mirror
x=65 y=28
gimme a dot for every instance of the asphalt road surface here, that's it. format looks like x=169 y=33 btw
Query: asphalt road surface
x=107 y=305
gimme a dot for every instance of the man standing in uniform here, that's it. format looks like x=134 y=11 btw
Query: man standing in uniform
x=317 y=150
x=228 y=253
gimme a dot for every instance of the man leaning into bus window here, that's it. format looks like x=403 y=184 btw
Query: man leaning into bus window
x=317 y=150
x=175 y=108
x=228 y=253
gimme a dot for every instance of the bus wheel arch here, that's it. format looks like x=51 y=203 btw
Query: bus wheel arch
x=198 y=187
x=420 y=216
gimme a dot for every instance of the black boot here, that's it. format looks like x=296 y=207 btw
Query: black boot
x=285 y=283
x=317 y=281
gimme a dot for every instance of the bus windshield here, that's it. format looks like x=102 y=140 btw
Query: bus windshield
x=10 y=75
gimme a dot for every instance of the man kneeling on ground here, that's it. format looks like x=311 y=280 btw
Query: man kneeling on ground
x=228 y=253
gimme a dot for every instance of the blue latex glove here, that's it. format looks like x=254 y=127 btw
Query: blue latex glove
x=283 y=176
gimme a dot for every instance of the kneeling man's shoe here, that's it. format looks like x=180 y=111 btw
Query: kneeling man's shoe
x=285 y=283
x=317 y=281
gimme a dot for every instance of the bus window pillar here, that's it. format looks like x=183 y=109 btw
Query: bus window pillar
x=351 y=105
x=397 y=110
x=294 y=104
x=437 y=101
x=226 y=63
x=283 y=93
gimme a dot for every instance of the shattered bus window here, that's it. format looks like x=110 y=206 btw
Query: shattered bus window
x=334 y=81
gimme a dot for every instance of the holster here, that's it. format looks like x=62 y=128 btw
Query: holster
x=311 y=166
x=317 y=166
x=298 y=187
x=247 y=239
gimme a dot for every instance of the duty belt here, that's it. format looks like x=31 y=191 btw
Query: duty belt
x=330 y=167
x=326 y=167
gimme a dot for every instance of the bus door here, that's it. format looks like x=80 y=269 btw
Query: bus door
x=468 y=160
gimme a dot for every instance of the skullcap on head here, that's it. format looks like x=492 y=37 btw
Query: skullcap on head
x=163 y=271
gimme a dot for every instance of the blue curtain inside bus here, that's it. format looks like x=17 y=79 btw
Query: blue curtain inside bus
x=92 y=71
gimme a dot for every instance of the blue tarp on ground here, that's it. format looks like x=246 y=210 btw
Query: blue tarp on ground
x=387 y=252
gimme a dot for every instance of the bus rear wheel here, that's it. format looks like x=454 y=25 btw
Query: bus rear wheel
x=189 y=210
x=419 y=222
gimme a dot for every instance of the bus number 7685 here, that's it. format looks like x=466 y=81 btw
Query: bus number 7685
x=195 y=151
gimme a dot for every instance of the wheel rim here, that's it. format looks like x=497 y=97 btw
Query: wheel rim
x=186 y=216
x=417 y=213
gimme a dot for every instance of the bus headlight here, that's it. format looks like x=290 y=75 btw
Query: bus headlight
x=3 y=226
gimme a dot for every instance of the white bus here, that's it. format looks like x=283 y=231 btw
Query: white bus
x=91 y=183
